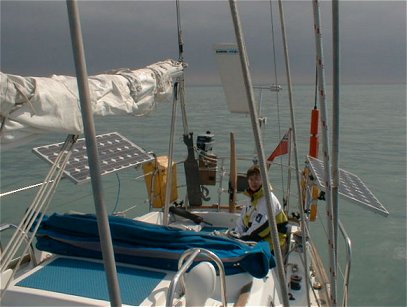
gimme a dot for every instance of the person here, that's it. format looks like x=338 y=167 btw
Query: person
x=253 y=223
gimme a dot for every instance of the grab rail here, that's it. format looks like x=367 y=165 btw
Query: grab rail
x=348 y=244
x=192 y=253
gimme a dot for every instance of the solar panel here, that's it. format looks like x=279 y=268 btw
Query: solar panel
x=350 y=186
x=115 y=153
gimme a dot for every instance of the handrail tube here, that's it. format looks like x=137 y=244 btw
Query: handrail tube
x=346 y=275
x=348 y=264
x=181 y=271
x=192 y=253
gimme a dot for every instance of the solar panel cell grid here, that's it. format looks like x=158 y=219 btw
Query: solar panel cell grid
x=115 y=153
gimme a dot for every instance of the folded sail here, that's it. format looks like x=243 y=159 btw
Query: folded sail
x=31 y=106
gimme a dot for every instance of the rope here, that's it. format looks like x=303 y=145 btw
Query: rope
x=21 y=189
x=316 y=87
x=325 y=149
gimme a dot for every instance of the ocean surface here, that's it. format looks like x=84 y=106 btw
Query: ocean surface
x=372 y=146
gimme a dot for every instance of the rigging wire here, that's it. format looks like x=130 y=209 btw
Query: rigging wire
x=118 y=194
x=179 y=30
x=274 y=56
x=181 y=85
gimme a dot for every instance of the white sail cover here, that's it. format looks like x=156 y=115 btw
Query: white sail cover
x=31 y=106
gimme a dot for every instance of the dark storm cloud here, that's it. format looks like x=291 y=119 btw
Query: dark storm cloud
x=35 y=37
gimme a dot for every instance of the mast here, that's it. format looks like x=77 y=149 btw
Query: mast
x=260 y=152
x=325 y=150
x=93 y=157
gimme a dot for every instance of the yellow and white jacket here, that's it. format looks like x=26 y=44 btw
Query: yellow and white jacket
x=253 y=222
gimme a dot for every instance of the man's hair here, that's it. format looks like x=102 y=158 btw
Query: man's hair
x=253 y=170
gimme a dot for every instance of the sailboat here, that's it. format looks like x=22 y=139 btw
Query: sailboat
x=182 y=252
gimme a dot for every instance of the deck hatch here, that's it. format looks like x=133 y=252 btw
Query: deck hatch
x=350 y=186
x=115 y=153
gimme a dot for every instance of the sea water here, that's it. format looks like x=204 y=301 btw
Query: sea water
x=372 y=145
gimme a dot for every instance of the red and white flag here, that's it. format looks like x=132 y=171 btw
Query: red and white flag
x=282 y=147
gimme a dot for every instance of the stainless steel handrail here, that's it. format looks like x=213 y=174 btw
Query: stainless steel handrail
x=348 y=244
x=192 y=253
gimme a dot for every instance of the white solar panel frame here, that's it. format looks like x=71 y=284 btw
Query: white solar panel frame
x=115 y=153
x=351 y=187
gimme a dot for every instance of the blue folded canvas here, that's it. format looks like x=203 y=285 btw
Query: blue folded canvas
x=145 y=244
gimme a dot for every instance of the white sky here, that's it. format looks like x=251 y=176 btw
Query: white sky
x=35 y=37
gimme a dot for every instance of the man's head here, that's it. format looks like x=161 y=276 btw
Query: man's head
x=253 y=176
